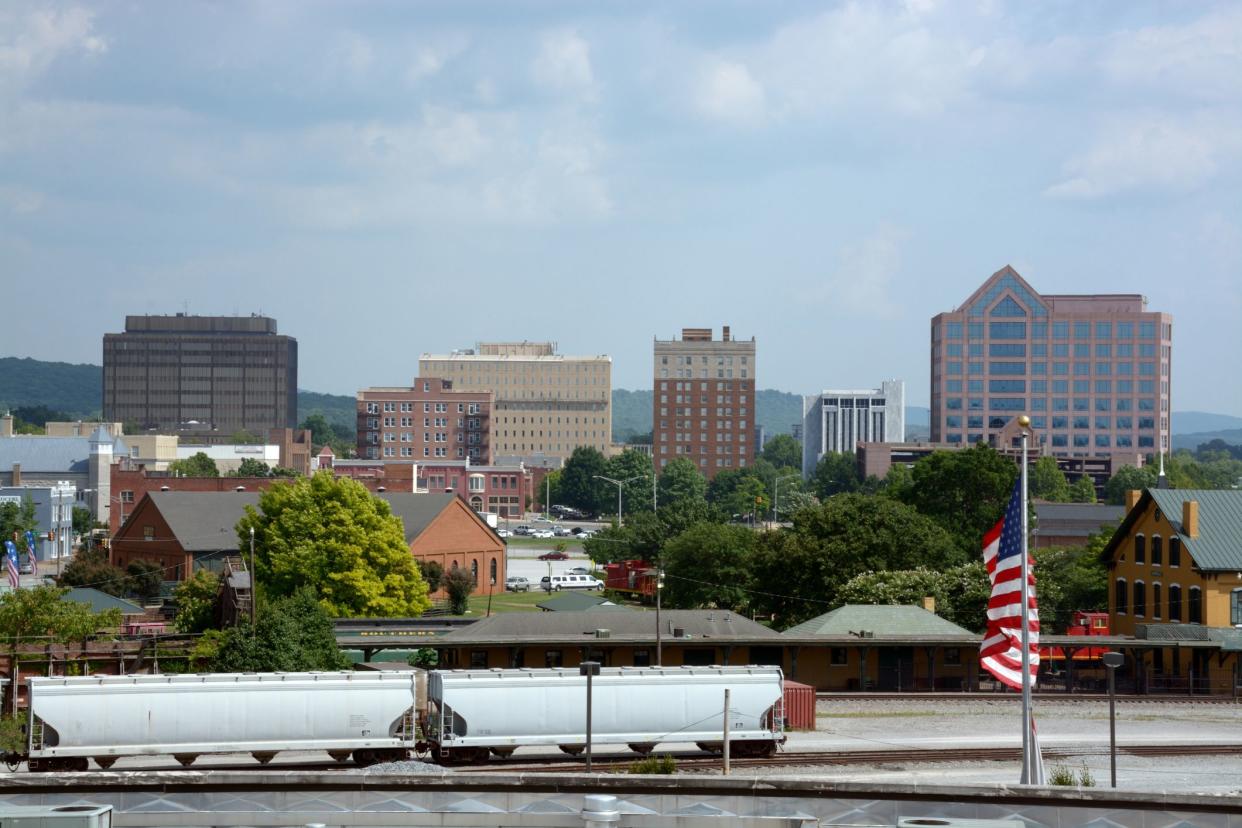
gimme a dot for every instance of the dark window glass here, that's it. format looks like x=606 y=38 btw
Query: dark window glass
x=478 y=659
x=699 y=656
x=840 y=656
x=1175 y=551
x=1140 y=599
x=1157 y=550
x=1175 y=602
x=1120 y=595
x=1155 y=600
x=1235 y=607
x=554 y=658
x=1196 y=606
x=1140 y=549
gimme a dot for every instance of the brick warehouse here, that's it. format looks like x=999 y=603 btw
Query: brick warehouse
x=430 y=420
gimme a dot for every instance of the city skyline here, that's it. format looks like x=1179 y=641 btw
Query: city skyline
x=826 y=179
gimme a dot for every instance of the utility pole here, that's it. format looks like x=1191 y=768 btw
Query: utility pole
x=254 y=585
x=659 y=629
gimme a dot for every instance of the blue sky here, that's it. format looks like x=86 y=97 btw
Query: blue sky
x=391 y=178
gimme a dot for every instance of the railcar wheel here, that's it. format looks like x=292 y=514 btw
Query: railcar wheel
x=78 y=763
x=392 y=755
x=710 y=747
x=263 y=756
x=755 y=749
x=364 y=757
x=186 y=759
x=503 y=752
x=642 y=748
x=572 y=750
x=105 y=762
x=339 y=755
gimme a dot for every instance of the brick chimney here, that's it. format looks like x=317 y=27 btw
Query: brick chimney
x=6 y=425
x=1190 y=518
x=724 y=334
x=1132 y=498
x=929 y=604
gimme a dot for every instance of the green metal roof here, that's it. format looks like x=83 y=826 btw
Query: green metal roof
x=579 y=602
x=879 y=620
x=1219 y=545
x=100 y=601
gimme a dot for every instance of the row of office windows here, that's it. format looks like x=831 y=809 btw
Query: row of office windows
x=1081 y=350
x=1101 y=441
x=1057 y=330
x=1059 y=423
x=1101 y=404
x=954 y=368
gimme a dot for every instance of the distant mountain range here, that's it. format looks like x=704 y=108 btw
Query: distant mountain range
x=76 y=391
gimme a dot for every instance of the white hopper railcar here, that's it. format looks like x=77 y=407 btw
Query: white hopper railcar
x=370 y=716
x=473 y=712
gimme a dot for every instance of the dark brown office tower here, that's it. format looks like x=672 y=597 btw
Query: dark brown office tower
x=218 y=374
x=704 y=407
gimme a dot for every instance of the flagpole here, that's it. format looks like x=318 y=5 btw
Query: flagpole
x=1027 y=763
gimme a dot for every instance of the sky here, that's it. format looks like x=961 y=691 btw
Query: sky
x=392 y=178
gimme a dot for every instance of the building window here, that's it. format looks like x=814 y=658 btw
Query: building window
x=1157 y=550
x=1175 y=551
x=1140 y=549
x=492 y=571
x=953 y=656
x=553 y=658
x=1195 y=600
x=478 y=659
x=1155 y=600
x=1235 y=607
x=1175 y=602
x=838 y=657
x=1140 y=599
x=1120 y=594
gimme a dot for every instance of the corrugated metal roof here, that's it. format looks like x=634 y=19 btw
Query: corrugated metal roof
x=46 y=454
x=579 y=627
x=416 y=511
x=203 y=521
x=99 y=601
x=1076 y=519
x=579 y=602
x=880 y=620
x=1219 y=545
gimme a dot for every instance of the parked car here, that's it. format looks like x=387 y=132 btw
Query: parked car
x=554 y=556
x=516 y=583
x=28 y=566
x=523 y=530
x=504 y=533
x=543 y=519
x=542 y=533
x=562 y=531
x=556 y=583
x=583 y=534
x=579 y=570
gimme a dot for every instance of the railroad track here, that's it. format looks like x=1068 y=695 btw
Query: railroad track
x=696 y=761
x=1014 y=697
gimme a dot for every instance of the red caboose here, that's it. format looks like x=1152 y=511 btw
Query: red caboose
x=635 y=577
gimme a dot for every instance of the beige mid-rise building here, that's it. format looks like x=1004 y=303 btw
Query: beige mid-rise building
x=545 y=403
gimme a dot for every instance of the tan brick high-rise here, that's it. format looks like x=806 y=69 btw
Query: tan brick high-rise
x=545 y=403
x=704 y=401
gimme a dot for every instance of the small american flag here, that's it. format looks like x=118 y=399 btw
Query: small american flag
x=10 y=559
x=1001 y=651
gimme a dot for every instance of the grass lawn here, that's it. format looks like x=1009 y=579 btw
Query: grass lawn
x=571 y=544
x=507 y=602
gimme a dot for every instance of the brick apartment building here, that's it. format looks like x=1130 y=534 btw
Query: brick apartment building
x=546 y=403
x=431 y=420
x=1092 y=371
x=704 y=401
x=211 y=374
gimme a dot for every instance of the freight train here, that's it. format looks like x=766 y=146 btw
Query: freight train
x=450 y=717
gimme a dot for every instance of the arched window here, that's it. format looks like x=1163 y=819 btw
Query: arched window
x=1175 y=602
x=1140 y=599
x=1155 y=600
x=454 y=566
x=1195 y=600
x=1157 y=550
x=1121 y=596
x=474 y=569
x=1175 y=551
x=493 y=571
x=1140 y=549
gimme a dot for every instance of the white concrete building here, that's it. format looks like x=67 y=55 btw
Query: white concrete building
x=838 y=420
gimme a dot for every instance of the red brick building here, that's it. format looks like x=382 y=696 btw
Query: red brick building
x=428 y=421
x=704 y=401
x=442 y=528
x=130 y=484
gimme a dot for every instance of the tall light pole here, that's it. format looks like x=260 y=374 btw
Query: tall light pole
x=619 y=484
x=776 y=495
x=254 y=583
x=1112 y=661
x=659 y=632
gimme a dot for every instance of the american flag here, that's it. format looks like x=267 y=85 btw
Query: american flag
x=1001 y=651
x=10 y=559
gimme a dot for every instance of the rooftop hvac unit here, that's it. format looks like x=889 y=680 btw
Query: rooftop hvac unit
x=59 y=816
x=603 y=633
x=948 y=822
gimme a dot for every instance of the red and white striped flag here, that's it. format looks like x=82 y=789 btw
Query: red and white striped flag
x=1001 y=651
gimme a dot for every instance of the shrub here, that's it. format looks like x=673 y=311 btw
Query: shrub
x=663 y=764
x=424 y=658
x=1062 y=775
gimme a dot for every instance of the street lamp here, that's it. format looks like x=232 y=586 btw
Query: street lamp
x=776 y=494
x=659 y=587
x=619 y=484
x=588 y=669
x=1112 y=661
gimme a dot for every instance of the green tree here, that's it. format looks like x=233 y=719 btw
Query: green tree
x=1069 y=579
x=847 y=535
x=1125 y=479
x=636 y=494
x=320 y=429
x=1047 y=481
x=1083 y=490
x=196 y=599
x=144 y=578
x=783 y=452
x=898 y=483
x=250 y=467
x=41 y=614
x=82 y=521
x=433 y=574
x=332 y=535
x=91 y=568
x=708 y=565
x=197 y=465
x=578 y=485
x=18 y=519
x=641 y=538
x=458 y=583
x=964 y=491
x=682 y=485
x=836 y=472
x=292 y=634
x=961 y=592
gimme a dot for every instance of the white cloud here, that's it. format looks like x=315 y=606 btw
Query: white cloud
x=726 y=91
x=1151 y=152
x=862 y=282
x=429 y=61
x=31 y=42
x=563 y=65
x=1200 y=60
